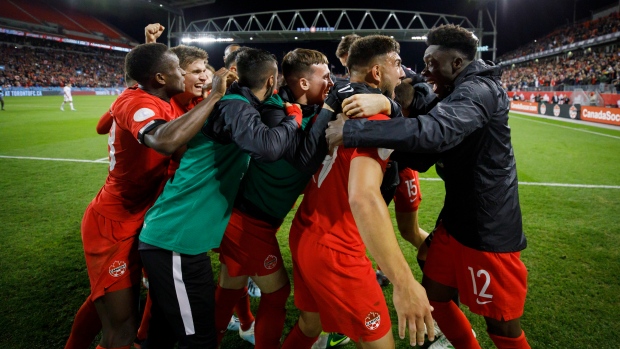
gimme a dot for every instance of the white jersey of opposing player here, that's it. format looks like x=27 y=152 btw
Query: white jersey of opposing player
x=67 y=93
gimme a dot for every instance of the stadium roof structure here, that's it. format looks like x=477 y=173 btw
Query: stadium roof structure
x=318 y=24
x=177 y=6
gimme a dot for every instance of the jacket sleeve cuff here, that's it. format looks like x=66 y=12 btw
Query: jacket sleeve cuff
x=350 y=132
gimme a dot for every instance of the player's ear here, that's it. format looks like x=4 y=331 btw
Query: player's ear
x=159 y=77
x=375 y=72
x=304 y=84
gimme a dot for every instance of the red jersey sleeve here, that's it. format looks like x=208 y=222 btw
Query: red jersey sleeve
x=142 y=114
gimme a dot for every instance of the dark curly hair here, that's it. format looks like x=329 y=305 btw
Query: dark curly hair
x=364 y=50
x=144 y=61
x=450 y=36
x=254 y=66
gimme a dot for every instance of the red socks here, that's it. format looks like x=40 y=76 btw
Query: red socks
x=242 y=309
x=510 y=343
x=454 y=325
x=298 y=340
x=225 y=300
x=270 y=318
x=86 y=326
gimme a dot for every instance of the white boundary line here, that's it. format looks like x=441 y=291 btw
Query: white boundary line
x=568 y=185
x=562 y=126
x=100 y=161
x=50 y=159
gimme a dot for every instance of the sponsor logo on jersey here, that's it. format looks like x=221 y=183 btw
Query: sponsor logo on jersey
x=118 y=268
x=270 y=261
x=372 y=321
x=143 y=114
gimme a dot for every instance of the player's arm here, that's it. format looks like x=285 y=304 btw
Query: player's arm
x=445 y=126
x=309 y=154
x=375 y=227
x=409 y=228
x=105 y=123
x=166 y=138
x=265 y=144
x=152 y=32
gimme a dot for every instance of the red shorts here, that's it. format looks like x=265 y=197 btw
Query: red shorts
x=111 y=252
x=408 y=195
x=249 y=246
x=490 y=284
x=342 y=288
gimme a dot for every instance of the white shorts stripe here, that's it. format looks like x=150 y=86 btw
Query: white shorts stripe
x=179 y=286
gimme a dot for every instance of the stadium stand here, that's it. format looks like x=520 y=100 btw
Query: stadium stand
x=44 y=18
x=583 y=56
x=44 y=46
x=31 y=62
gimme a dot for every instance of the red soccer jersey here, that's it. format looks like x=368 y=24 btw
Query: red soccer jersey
x=136 y=172
x=325 y=207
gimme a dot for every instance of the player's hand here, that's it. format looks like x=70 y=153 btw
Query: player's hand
x=152 y=32
x=333 y=133
x=414 y=311
x=366 y=105
x=221 y=80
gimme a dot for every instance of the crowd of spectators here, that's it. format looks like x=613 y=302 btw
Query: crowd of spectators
x=31 y=62
x=569 y=34
x=599 y=67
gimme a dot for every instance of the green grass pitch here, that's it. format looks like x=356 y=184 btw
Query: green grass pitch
x=573 y=232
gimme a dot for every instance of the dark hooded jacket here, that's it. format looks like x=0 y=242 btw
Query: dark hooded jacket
x=468 y=137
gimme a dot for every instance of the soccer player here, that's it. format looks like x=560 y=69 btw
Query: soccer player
x=198 y=75
x=112 y=221
x=66 y=93
x=341 y=215
x=190 y=216
x=477 y=241
x=267 y=194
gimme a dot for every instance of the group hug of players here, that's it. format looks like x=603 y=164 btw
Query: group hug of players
x=191 y=172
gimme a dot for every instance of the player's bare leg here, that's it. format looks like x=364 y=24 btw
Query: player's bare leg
x=118 y=312
x=384 y=342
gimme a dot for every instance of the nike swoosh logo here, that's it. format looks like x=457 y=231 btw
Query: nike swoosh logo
x=334 y=343
x=346 y=91
x=479 y=302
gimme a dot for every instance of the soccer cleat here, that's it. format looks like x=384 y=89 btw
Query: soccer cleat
x=234 y=324
x=73 y=109
x=443 y=342
x=382 y=279
x=61 y=108
x=330 y=340
x=248 y=335
x=438 y=332
x=253 y=289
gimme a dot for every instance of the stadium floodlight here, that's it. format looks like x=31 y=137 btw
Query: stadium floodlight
x=418 y=38
x=206 y=40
